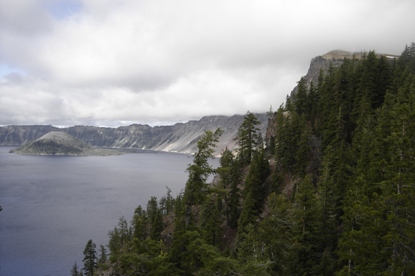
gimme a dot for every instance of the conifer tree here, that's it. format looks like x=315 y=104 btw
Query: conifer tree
x=74 y=270
x=167 y=203
x=102 y=261
x=277 y=224
x=234 y=198
x=196 y=187
x=224 y=172
x=90 y=264
x=154 y=218
x=156 y=225
x=140 y=220
x=301 y=100
x=253 y=194
x=211 y=221
x=407 y=58
x=303 y=149
x=306 y=232
x=250 y=253
x=248 y=138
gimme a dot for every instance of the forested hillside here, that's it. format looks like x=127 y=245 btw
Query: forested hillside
x=332 y=194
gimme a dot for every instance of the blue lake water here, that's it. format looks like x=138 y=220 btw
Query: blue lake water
x=52 y=205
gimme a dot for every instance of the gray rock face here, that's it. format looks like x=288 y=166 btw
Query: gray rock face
x=181 y=137
x=333 y=58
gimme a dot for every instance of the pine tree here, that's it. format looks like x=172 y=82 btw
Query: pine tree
x=253 y=194
x=155 y=218
x=102 y=261
x=74 y=270
x=407 y=58
x=196 y=187
x=224 y=172
x=234 y=198
x=89 y=260
x=125 y=234
x=250 y=253
x=211 y=219
x=303 y=150
x=167 y=203
x=248 y=138
x=306 y=232
x=156 y=226
x=277 y=224
x=301 y=100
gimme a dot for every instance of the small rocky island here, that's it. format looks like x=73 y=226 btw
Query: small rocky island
x=62 y=143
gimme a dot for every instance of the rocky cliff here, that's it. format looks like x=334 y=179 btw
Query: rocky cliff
x=333 y=58
x=181 y=137
x=322 y=63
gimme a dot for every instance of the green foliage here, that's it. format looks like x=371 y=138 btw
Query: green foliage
x=199 y=171
x=306 y=231
x=248 y=138
x=253 y=193
x=301 y=102
x=140 y=221
x=345 y=202
x=102 y=260
x=155 y=218
x=275 y=233
x=74 y=270
x=90 y=263
x=167 y=203
x=230 y=175
x=210 y=221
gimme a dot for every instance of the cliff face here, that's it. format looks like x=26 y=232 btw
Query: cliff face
x=333 y=58
x=322 y=63
x=181 y=137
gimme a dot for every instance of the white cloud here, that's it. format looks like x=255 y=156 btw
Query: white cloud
x=108 y=62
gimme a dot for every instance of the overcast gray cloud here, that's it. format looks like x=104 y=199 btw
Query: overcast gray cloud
x=106 y=62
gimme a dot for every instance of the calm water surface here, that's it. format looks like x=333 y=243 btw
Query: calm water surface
x=52 y=205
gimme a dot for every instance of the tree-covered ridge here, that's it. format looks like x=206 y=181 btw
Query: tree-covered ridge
x=351 y=136
x=333 y=193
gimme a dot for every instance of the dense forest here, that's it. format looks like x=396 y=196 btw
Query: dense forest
x=332 y=193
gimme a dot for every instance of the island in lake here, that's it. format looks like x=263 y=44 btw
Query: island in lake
x=62 y=143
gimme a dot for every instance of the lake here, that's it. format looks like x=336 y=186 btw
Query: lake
x=52 y=205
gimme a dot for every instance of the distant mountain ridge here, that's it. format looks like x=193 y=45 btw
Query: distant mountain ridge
x=180 y=137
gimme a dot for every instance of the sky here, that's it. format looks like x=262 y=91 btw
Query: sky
x=158 y=62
